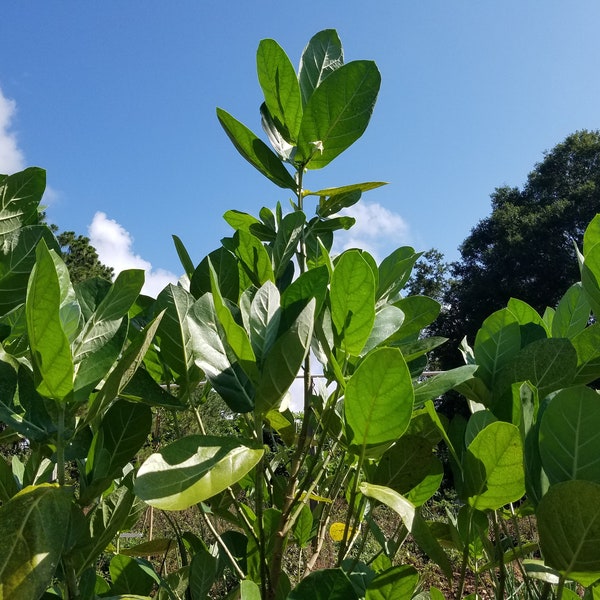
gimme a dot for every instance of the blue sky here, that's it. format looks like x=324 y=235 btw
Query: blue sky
x=117 y=101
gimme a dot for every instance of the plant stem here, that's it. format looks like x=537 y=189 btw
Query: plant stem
x=221 y=543
x=60 y=445
x=259 y=481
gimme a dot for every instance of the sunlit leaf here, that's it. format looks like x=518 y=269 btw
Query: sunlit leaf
x=379 y=399
x=322 y=56
x=494 y=474
x=337 y=113
x=353 y=300
x=280 y=87
x=50 y=348
x=193 y=469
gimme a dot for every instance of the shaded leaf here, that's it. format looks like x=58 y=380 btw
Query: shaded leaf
x=33 y=529
x=568 y=518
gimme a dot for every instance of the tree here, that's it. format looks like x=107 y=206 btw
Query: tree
x=81 y=258
x=430 y=276
x=526 y=248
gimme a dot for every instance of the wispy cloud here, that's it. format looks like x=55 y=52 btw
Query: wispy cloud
x=11 y=156
x=114 y=245
x=377 y=230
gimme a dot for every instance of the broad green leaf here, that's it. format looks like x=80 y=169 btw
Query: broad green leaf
x=255 y=151
x=100 y=526
x=406 y=464
x=549 y=364
x=130 y=575
x=388 y=321
x=249 y=590
x=591 y=236
x=254 y=257
x=538 y=570
x=50 y=349
x=235 y=335
x=193 y=469
x=106 y=318
x=121 y=295
x=142 y=387
x=241 y=220
x=394 y=272
x=379 y=399
x=284 y=359
x=280 y=87
x=493 y=467
x=419 y=312
x=33 y=529
x=31 y=418
x=334 y=204
x=569 y=438
x=324 y=584
x=124 y=370
x=310 y=284
x=322 y=56
x=476 y=423
x=497 y=342
x=176 y=343
x=203 y=573
x=346 y=189
x=587 y=347
x=17 y=262
x=216 y=360
x=433 y=387
x=527 y=316
x=184 y=257
x=287 y=240
x=397 y=583
x=265 y=315
x=352 y=296
x=122 y=432
x=572 y=313
x=226 y=266
x=429 y=485
x=302 y=529
x=20 y=196
x=97 y=364
x=568 y=519
x=413 y=521
x=337 y=113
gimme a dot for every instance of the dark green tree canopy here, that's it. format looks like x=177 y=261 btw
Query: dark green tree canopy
x=526 y=247
x=81 y=258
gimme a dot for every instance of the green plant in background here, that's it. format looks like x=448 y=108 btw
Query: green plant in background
x=88 y=371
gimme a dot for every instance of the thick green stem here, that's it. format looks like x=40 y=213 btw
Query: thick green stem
x=60 y=445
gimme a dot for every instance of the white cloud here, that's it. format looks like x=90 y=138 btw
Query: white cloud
x=377 y=230
x=114 y=245
x=11 y=156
